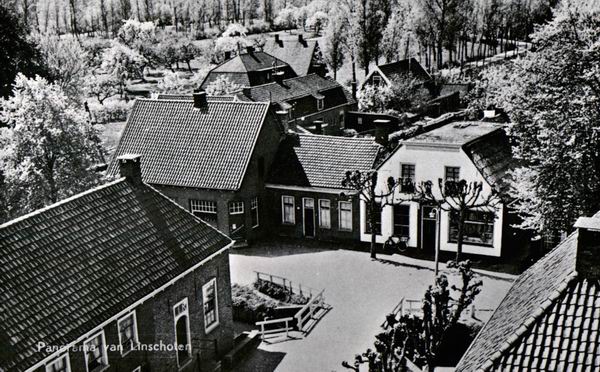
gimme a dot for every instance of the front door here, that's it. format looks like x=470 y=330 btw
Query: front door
x=428 y=227
x=309 y=217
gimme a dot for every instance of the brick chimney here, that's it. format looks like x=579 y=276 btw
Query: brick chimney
x=301 y=38
x=250 y=49
x=247 y=91
x=227 y=55
x=318 y=126
x=200 y=101
x=588 y=248
x=383 y=128
x=130 y=168
x=277 y=38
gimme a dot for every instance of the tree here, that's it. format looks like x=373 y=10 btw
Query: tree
x=458 y=198
x=102 y=86
x=19 y=52
x=221 y=85
x=123 y=63
x=286 y=18
x=335 y=39
x=49 y=147
x=375 y=198
x=404 y=94
x=233 y=39
x=552 y=96
x=317 y=21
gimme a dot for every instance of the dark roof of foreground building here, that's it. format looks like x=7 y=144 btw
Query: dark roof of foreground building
x=296 y=53
x=399 y=69
x=311 y=160
x=456 y=133
x=548 y=321
x=184 y=146
x=69 y=267
x=190 y=97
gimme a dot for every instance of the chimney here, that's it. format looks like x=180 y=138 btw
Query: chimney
x=277 y=38
x=318 y=126
x=247 y=91
x=227 y=55
x=278 y=77
x=249 y=49
x=130 y=168
x=587 y=263
x=354 y=89
x=383 y=128
x=301 y=38
x=200 y=101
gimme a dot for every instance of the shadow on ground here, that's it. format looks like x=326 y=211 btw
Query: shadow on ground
x=259 y=361
x=285 y=247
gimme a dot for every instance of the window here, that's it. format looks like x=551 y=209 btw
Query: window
x=254 y=211
x=128 y=337
x=478 y=228
x=376 y=80
x=211 y=307
x=95 y=353
x=182 y=332
x=324 y=213
x=320 y=104
x=401 y=220
x=288 y=209
x=60 y=364
x=236 y=207
x=204 y=209
x=359 y=120
x=377 y=220
x=345 y=215
x=452 y=174
x=407 y=177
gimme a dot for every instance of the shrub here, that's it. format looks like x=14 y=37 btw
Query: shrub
x=280 y=293
x=259 y=27
x=111 y=111
x=249 y=306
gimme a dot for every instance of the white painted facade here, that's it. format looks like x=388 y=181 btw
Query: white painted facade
x=430 y=160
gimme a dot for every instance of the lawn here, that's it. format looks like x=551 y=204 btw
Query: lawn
x=361 y=292
x=110 y=134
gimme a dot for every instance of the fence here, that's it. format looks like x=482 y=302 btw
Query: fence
x=263 y=323
x=285 y=283
x=314 y=303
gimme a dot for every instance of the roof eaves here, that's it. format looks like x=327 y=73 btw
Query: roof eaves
x=262 y=125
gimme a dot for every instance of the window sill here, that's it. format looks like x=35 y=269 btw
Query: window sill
x=255 y=226
x=235 y=213
x=288 y=223
x=133 y=347
x=475 y=244
x=101 y=369
x=211 y=328
x=345 y=230
x=325 y=228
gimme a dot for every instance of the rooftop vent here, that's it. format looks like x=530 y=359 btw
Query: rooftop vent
x=130 y=168
x=200 y=101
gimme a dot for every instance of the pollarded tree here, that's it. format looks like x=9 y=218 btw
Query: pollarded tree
x=49 y=148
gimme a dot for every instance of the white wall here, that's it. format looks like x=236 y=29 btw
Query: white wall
x=430 y=163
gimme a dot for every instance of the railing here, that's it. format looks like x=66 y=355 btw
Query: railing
x=263 y=323
x=314 y=303
x=398 y=309
x=285 y=283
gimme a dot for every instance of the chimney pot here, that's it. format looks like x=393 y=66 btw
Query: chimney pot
x=383 y=129
x=588 y=248
x=130 y=168
x=301 y=38
x=227 y=55
x=277 y=38
x=250 y=49
x=200 y=101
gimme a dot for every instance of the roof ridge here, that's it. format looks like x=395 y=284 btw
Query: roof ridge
x=213 y=101
x=60 y=203
x=527 y=323
x=365 y=139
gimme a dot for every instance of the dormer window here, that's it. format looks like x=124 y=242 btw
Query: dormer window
x=320 y=104
x=60 y=364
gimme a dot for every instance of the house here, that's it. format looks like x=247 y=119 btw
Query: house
x=312 y=102
x=304 y=56
x=473 y=151
x=549 y=319
x=388 y=73
x=209 y=156
x=98 y=280
x=249 y=69
x=306 y=197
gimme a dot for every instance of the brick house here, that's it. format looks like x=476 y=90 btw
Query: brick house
x=473 y=151
x=312 y=102
x=92 y=282
x=250 y=69
x=549 y=319
x=306 y=197
x=387 y=73
x=209 y=156
x=303 y=55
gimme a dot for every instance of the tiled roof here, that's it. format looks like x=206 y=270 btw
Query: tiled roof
x=239 y=78
x=245 y=62
x=550 y=300
x=492 y=155
x=456 y=133
x=398 y=69
x=297 y=87
x=69 y=267
x=183 y=146
x=190 y=97
x=311 y=160
x=297 y=54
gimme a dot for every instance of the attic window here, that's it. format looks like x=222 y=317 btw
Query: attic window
x=376 y=80
x=60 y=364
x=320 y=104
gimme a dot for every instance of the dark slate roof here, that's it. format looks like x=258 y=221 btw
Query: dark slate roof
x=297 y=54
x=238 y=78
x=398 y=69
x=457 y=133
x=298 y=87
x=188 y=147
x=69 y=267
x=190 y=97
x=548 y=321
x=311 y=160
x=492 y=155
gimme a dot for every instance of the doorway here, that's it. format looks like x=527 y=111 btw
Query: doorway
x=428 y=227
x=309 y=217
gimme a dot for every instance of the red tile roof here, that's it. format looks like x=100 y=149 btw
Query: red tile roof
x=183 y=146
x=69 y=267
x=321 y=161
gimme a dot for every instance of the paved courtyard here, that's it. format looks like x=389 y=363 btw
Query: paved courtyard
x=361 y=292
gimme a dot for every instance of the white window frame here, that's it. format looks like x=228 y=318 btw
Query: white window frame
x=236 y=207
x=212 y=282
x=340 y=215
x=104 y=353
x=62 y=356
x=203 y=206
x=135 y=332
x=176 y=317
x=377 y=80
x=293 y=220
x=320 y=104
x=446 y=172
x=253 y=206
x=328 y=226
